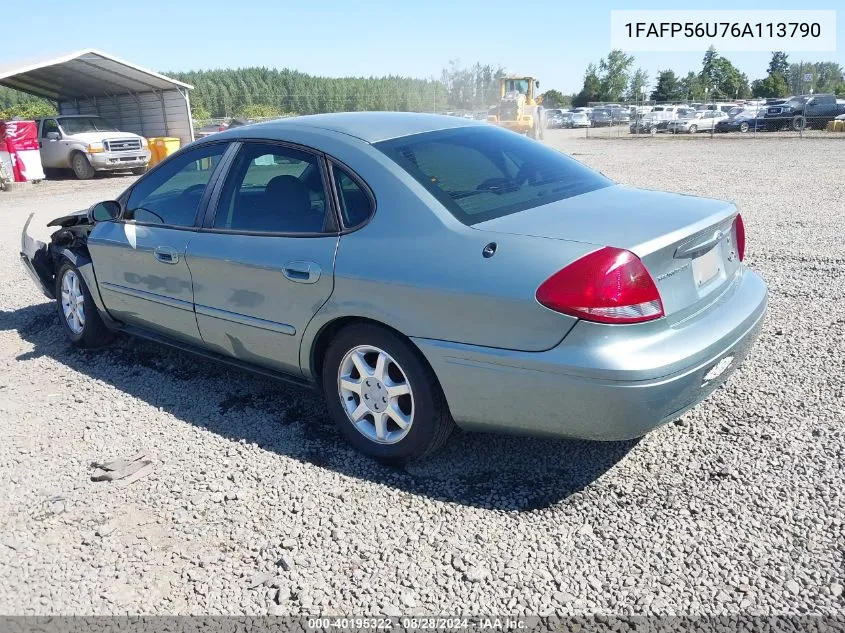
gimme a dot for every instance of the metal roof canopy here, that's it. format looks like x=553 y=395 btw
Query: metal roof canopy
x=93 y=82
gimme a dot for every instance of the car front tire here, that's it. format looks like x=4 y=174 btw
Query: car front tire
x=139 y=171
x=384 y=398
x=77 y=311
x=81 y=167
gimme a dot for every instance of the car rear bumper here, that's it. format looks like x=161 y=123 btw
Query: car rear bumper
x=601 y=387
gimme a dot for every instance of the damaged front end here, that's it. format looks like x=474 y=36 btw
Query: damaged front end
x=40 y=259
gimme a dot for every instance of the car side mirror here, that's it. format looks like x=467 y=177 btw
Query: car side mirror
x=104 y=211
x=53 y=136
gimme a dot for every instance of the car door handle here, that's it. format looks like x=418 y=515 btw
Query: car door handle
x=166 y=254
x=302 y=272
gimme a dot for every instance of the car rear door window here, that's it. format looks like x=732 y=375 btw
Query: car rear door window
x=355 y=204
x=273 y=189
x=171 y=193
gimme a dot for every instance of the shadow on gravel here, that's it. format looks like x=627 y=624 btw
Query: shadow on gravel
x=487 y=471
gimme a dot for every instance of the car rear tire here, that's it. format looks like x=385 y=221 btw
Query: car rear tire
x=383 y=396
x=77 y=311
x=81 y=167
x=693 y=129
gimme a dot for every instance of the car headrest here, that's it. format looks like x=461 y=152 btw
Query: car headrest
x=287 y=194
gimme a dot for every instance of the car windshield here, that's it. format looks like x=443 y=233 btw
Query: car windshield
x=481 y=173
x=80 y=125
x=796 y=101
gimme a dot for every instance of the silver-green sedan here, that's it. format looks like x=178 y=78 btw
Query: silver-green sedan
x=422 y=271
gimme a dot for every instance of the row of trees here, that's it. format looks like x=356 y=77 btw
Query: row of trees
x=263 y=92
x=270 y=92
x=614 y=79
x=266 y=92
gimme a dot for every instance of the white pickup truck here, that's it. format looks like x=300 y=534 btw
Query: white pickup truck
x=88 y=144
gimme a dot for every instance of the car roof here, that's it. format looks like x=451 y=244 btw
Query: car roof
x=371 y=127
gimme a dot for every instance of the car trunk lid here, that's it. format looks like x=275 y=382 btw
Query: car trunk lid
x=686 y=243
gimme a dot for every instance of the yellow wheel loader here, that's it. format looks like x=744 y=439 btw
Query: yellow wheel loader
x=519 y=106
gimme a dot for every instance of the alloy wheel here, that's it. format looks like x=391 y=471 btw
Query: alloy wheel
x=375 y=394
x=73 y=302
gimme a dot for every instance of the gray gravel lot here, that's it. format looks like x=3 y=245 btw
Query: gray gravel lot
x=256 y=505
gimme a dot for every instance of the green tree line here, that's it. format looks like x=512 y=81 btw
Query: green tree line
x=263 y=92
x=615 y=79
x=267 y=92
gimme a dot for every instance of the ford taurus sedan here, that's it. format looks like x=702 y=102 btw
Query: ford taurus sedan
x=422 y=271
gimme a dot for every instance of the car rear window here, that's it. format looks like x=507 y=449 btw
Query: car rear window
x=482 y=172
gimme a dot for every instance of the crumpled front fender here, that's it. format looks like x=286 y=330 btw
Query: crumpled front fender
x=36 y=259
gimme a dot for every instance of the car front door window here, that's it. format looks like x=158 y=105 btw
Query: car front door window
x=171 y=194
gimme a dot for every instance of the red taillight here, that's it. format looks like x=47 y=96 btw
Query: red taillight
x=739 y=230
x=609 y=285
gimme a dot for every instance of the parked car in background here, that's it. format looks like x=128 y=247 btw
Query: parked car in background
x=655 y=121
x=701 y=121
x=601 y=117
x=646 y=124
x=577 y=120
x=629 y=307
x=87 y=144
x=620 y=115
x=209 y=129
x=555 y=119
x=804 y=111
x=684 y=112
x=744 y=121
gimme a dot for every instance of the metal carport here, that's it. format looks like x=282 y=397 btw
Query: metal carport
x=93 y=82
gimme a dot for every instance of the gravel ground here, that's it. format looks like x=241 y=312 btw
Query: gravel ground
x=255 y=504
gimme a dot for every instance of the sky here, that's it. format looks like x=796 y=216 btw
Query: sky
x=553 y=40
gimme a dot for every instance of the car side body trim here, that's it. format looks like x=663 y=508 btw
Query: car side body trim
x=243 y=319
x=149 y=296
